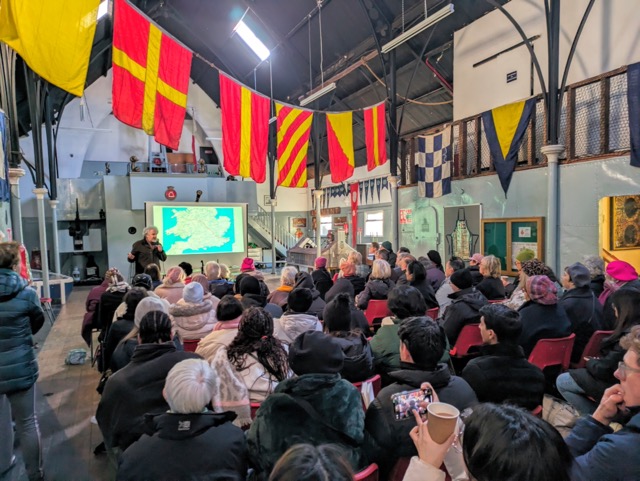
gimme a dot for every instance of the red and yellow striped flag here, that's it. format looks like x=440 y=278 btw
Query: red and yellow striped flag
x=150 y=76
x=245 y=130
x=375 y=136
x=294 y=127
x=340 y=140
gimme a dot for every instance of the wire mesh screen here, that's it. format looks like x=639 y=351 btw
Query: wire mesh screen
x=618 y=114
x=540 y=133
x=455 y=150
x=587 y=120
x=485 y=153
x=523 y=151
x=562 y=134
x=471 y=161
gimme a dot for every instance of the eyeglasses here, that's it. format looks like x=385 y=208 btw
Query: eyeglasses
x=624 y=369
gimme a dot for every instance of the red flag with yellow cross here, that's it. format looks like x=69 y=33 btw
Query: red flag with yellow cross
x=150 y=76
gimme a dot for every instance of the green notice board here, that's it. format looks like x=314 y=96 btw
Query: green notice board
x=505 y=238
x=495 y=241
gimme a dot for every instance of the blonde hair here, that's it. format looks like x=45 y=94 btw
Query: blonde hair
x=381 y=269
x=355 y=257
x=173 y=276
x=348 y=268
x=492 y=265
x=224 y=271
x=288 y=276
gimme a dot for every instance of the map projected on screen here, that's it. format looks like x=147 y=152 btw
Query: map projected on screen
x=185 y=230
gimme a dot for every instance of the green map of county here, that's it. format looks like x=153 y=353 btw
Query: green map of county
x=202 y=229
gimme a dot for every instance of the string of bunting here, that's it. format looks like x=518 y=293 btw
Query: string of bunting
x=368 y=188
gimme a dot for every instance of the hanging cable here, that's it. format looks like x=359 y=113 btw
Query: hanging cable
x=321 y=46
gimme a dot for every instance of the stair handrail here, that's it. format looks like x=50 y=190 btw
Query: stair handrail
x=281 y=234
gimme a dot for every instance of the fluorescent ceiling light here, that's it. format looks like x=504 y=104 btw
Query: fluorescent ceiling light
x=421 y=27
x=103 y=8
x=316 y=95
x=254 y=43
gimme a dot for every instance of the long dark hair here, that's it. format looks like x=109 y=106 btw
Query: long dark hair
x=255 y=334
x=627 y=303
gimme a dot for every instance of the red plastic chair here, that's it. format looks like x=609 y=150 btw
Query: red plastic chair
x=592 y=349
x=375 y=380
x=552 y=352
x=376 y=311
x=537 y=412
x=254 y=409
x=398 y=470
x=369 y=474
x=469 y=337
x=433 y=313
x=496 y=301
x=190 y=345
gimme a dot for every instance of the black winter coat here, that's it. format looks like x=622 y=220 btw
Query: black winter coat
x=391 y=436
x=20 y=317
x=221 y=288
x=256 y=300
x=358 y=358
x=357 y=282
x=374 y=289
x=117 y=332
x=436 y=277
x=134 y=390
x=179 y=446
x=492 y=288
x=322 y=281
x=464 y=309
x=541 y=321
x=585 y=314
x=145 y=254
x=609 y=317
x=597 y=285
x=503 y=375
x=317 y=305
x=109 y=302
x=425 y=288
x=475 y=274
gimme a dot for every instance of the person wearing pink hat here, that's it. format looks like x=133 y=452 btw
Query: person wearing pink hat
x=321 y=276
x=618 y=275
x=248 y=268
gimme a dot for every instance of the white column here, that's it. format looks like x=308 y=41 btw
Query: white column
x=552 y=152
x=16 y=207
x=42 y=231
x=318 y=194
x=54 y=231
x=395 y=236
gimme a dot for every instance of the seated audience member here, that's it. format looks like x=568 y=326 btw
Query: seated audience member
x=172 y=285
x=136 y=389
x=287 y=281
x=224 y=272
x=442 y=294
x=595 y=265
x=193 y=317
x=312 y=463
x=502 y=374
x=434 y=256
x=373 y=249
x=386 y=245
x=153 y=270
x=317 y=406
x=619 y=275
x=523 y=256
x=434 y=275
x=399 y=272
x=109 y=302
x=358 y=319
x=534 y=267
x=182 y=434
x=358 y=358
x=474 y=268
x=378 y=286
x=228 y=314
x=404 y=249
x=422 y=344
x=383 y=254
x=500 y=442
x=465 y=305
x=248 y=267
x=297 y=318
x=127 y=345
x=362 y=270
x=139 y=280
x=91 y=320
x=188 y=270
x=541 y=316
x=581 y=305
x=491 y=283
x=581 y=387
x=348 y=271
x=416 y=276
x=124 y=324
x=321 y=277
x=218 y=286
x=305 y=281
x=251 y=295
x=204 y=282
x=599 y=452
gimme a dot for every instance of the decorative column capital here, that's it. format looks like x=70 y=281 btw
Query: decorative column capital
x=40 y=192
x=551 y=152
x=394 y=180
x=54 y=203
x=15 y=174
x=318 y=193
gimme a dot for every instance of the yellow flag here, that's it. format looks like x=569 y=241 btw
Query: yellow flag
x=54 y=37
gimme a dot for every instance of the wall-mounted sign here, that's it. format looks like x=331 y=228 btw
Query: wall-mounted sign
x=299 y=222
x=340 y=220
x=328 y=211
x=406 y=216
x=512 y=76
x=170 y=193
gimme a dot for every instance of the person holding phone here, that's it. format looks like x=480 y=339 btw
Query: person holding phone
x=147 y=251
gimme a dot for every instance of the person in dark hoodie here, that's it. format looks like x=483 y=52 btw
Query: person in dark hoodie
x=581 y=305
x=392 y=255
x=250 y=295
x=321 y=278
x=378 y=285
x=358 y=358
x=187 y=430
x=422 y=344
x=416 y=276
x=304 y=280
x=343 y=286
x=297 y=318
x=465 y=305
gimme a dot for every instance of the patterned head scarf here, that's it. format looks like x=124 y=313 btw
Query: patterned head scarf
x=542 y=290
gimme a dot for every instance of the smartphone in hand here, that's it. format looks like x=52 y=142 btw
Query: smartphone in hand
x=405 y=402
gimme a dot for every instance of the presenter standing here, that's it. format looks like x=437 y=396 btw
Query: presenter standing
x=147 y=251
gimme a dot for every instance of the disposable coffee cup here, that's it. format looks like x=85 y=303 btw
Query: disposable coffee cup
x=442 y=419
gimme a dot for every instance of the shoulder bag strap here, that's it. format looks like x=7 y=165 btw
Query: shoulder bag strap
x=316 y=417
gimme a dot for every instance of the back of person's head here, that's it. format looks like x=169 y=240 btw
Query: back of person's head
x=314 y=352
x=380 y=269
x=155 y=326
x=228 y=309
x=337 y=314
x=224 y=271
x=250 y=285
x=627 y=304
x=541 y=290
x=417 y=271
x=382 y=254
x=299 y=300
x=149 y=304
x=187 y=268
x=116 y=278
x=461 y=279
x=202 y=280
x=189 y=386
x=9 y=255
x=355 y=257
x=579 y=274
x=387 y=245
x=506 y=443
x=456 y=264
x=434 y=256
x=305 y=462
x=348 y=269
x=405 y=301
x=504 y=321
x=212 y=270
x=288 y=276
x=193 y=293
x=236 y=286
x=404 y=249
x=142 y=280
x=491 y=266
x=154 y=271
x=173 y=276
x=595 y=265
x=132 y=298
x=304 y=279
x=375 y=245
x=424 y=339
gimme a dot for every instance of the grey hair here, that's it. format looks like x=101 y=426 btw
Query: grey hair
x=595 y=265
x=148 y=229
x=288 y=276
x=224 y=271
x=212 y=270
x=189 y=386
x=381 y=269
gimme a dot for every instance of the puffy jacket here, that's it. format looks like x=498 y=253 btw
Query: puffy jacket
x=585 y=314
x=291 y=325
x=193 y=320
x=172 y=293
x=220 y=288
x=541 y=321
x=374 y=289
x=464 y=309
x=20 y=317
x=280 y=296
x=317 y=305
x=358 y=358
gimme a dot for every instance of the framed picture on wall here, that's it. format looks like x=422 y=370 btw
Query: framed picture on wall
x=298 y=222
x=625 y=222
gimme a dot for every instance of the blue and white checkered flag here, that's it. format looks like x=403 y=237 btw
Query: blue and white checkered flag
x=434 y=164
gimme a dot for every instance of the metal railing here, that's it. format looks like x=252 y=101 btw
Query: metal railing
x=281 y=234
